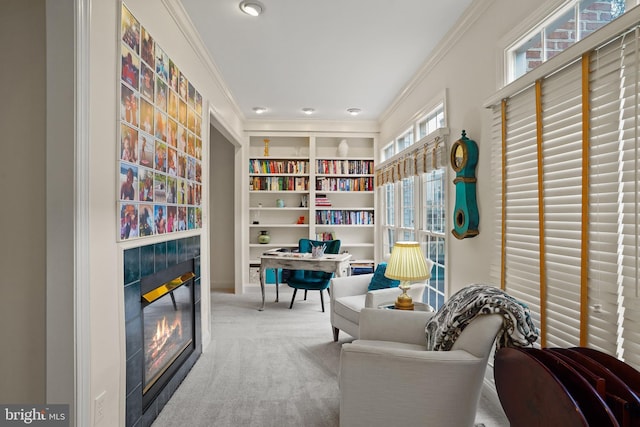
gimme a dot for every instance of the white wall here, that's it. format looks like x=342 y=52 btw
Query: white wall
x=466 y=66
x=107 y=328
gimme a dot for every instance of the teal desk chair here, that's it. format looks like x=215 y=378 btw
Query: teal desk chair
x=312 y=280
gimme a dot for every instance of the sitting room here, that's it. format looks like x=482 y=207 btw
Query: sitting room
x=278 y=212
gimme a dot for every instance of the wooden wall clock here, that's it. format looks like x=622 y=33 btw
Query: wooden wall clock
x=464 y=158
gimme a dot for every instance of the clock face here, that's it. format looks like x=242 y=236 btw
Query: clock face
x=458 y=156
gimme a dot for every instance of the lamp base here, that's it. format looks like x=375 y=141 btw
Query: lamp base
x=404 y=301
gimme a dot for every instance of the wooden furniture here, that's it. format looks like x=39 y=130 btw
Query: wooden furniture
x=338 y=264
x=569 y=387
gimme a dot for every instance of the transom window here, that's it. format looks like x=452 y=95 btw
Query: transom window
x=570 y=23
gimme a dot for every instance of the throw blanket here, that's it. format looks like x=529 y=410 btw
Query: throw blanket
x=474 y=300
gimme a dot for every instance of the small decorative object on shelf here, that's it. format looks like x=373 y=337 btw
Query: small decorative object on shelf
x=256 y=215
x=266 y=147
x=464 y=158
x=264 y=237
x=343 y=148
x=280 y=203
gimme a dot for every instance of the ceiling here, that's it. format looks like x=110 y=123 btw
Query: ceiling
x=329 y=55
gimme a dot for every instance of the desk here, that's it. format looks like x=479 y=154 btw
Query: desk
x=338 y=264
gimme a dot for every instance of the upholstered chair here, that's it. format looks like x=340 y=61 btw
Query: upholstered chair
x=388 y=378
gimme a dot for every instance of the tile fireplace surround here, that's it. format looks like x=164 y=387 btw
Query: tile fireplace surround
x=138 y=263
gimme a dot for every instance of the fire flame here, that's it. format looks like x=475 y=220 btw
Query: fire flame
x=164 y=332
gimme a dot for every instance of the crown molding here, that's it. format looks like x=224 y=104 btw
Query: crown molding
x=360 y=126
x=185 y=25
x=470 y=15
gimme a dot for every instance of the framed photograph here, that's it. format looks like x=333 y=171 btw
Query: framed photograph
x=130 y=67
x=128 y=105
x=191 y=144
x=145 y=185
x=161 y=125
x=191 y=217
x=174 y=76
x=162 y=63
x=182 y=191
x=192 y=96
x=182 y=87
x=128 y=220
x=147 y=49
x=172 y=107
x=145 y=222
x=128 y=181
x=191 y=119
x=147 y=150
x=198 y=149
x=182 y=112
x=182 y=218
x=147 y=82
x=182 y=164
x=172 y=219
x=128 y=144
x=159 y=188
x=130 y=28
x=159 y=219
x=146 y=116
x=161 y=94
x=172 y=161
x=198 y=103
x=160 y=161
x=172 y=188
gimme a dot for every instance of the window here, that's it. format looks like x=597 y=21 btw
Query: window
x=570 y=232
x=434 y=120
x=388 y=151
x=404 y=140
x=568 y=25
x=432 y=232
x=412 y=188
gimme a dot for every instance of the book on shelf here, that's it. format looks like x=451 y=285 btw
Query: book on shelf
x=322 y=200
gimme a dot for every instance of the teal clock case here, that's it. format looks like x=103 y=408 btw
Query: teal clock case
x=464 y=159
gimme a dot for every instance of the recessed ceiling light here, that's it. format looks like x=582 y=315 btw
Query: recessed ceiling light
x=259 y=110
x=251 y=7
x=354 y=111
x=308 y=111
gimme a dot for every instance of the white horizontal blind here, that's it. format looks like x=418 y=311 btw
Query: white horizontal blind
x=496 y=179
x=608 y=65
x=613 y=201
x=561 y=100
x=522 y=246
x=628 y=196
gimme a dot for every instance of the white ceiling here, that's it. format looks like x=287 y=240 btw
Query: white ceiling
x=325 y=54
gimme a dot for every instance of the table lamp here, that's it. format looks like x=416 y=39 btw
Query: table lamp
x=407 y=264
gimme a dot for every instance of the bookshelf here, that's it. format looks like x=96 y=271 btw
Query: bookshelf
x=304 y=188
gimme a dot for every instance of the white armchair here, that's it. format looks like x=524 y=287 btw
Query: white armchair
x=388 y=378
x=350 y=294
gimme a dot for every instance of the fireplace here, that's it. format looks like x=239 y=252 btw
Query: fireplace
x=168 y=325
x=162 y=315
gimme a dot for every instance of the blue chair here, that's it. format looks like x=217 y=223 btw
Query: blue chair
x=312 y=280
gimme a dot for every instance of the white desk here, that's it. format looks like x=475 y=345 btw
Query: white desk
x=338 y=264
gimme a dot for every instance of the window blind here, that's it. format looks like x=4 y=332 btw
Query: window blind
x=610 y=174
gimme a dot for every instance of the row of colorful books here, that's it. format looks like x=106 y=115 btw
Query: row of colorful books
x=344 y=217
x=279 y=183
x=350 y=167
x=278 y=166
x=344 y=184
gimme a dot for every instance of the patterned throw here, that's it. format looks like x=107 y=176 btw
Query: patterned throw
x=474 y=300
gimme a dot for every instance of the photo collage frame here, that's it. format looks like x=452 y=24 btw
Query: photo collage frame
x=159 y=139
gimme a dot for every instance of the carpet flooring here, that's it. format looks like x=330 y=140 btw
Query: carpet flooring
x=274 y=368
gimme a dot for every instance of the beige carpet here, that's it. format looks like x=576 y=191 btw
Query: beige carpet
x=277 y=367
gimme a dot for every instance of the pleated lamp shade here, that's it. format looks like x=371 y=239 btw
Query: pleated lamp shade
x=407 y=263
